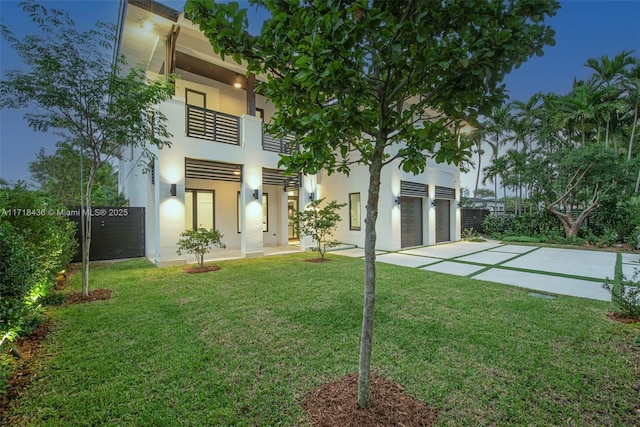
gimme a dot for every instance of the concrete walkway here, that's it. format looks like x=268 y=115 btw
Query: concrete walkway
x=572 y=272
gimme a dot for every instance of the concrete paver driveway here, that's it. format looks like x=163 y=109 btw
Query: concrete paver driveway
x=572 y=272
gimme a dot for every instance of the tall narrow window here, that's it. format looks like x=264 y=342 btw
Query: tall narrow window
x=354 y=211
x=199 y=209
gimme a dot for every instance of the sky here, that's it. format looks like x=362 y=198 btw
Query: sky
x=584 y=29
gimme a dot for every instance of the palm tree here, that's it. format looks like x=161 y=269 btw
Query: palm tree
x=498 y=124
x=611 y=75
x=580 y=107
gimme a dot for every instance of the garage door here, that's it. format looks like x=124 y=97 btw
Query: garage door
x=411 y=221
x=443 y=220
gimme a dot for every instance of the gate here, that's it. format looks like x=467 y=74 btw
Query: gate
x=472 y=218
x=116 y=233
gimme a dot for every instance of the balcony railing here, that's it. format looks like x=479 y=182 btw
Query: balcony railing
x=212 y=125
x=279 y=145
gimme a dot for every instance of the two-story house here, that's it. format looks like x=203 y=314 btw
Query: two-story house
x=221 y=169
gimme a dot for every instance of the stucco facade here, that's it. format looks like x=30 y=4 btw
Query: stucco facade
x=223 y=169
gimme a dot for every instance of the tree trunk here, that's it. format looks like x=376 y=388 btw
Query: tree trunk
x=633 y=134
x=364 y=368
x=86 y=244
x=475 y=192
x=572 y=226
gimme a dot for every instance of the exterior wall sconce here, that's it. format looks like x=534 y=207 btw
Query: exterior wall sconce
x=256 y=194
x=396 y=201
x=312 y=197
x=459 y=204
x=173 y=190
x=433 y=203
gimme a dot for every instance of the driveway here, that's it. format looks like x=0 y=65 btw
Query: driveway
x=572 y=272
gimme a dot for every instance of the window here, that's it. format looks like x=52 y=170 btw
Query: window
x=199 y=209
x=354 y=211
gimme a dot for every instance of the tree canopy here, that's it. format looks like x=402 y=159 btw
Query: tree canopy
x=373 y=82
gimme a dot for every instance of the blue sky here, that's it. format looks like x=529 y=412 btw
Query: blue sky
x=584 y=29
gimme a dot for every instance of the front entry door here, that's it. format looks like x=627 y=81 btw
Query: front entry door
x=410 y=221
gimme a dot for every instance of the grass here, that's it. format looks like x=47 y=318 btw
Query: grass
x=243 y=345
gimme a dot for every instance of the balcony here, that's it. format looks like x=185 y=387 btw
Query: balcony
x=279 y=145
x=213 y=125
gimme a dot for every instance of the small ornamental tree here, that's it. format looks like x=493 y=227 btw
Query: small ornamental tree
x=198 y=242
x=77 y=89
x=377 y=82
x=319 y=224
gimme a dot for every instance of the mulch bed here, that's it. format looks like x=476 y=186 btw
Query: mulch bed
x=204 y=269
x=95 y=295
x=623 y=319
x=336 y=404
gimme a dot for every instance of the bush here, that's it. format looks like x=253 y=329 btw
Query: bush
x=35 y=244
x=626 y=295
x=319 y=223
x=199 y=242
x=497 y=224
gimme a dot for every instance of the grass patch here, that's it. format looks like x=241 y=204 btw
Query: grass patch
x=520 y=239
x=243 y=345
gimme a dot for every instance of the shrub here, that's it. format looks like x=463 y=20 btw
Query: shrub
x=497 y=224
x=470 y=235
x=319 y=223
x=626 y=294
x=199 y=242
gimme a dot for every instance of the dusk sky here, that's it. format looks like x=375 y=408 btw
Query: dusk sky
x=583 y=28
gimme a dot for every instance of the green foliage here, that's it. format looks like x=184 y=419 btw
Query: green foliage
x=54 y=298
x=369 y=83
x=620 y=216
x=626 y=294
x=79 y=91
x=58 y=175
x=497 y=224
x=35 y=244
x=319 y=223
x=199 y=242
x=471 y=235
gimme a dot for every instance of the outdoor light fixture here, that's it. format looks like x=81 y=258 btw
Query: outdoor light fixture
x=237 y=83
x=256 y=194
x=433 y=203
x=396 y=201
x=173 y=191
x=459 y=204
x=312 y=197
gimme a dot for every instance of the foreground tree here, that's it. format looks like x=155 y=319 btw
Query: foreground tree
x=375 y=82
x=78 y=91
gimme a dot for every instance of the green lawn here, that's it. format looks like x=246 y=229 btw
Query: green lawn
x=242 y=346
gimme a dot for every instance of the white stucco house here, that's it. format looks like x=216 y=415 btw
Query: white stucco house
x=221 y=170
